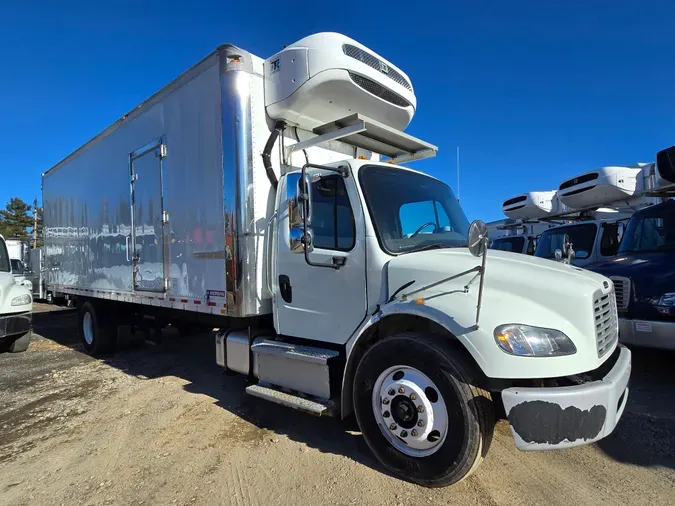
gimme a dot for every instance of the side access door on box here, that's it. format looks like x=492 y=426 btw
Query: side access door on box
x=148 y=218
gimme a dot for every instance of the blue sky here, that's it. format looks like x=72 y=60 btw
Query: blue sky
x=533 y=92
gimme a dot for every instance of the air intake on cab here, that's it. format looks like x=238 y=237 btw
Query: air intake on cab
x=328 y=76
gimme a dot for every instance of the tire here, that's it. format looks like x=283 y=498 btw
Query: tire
x=21 y=344
x=437 y=460
x=98 y=333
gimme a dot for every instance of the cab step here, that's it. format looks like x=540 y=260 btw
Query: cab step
x=317 y=407
x=294 y=367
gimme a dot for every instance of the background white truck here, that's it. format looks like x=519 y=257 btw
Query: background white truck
x=16 y=307
x=251 y=195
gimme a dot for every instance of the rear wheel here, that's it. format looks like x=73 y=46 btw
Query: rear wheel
x=20 y=344
x=98 y=332
x=420 y=410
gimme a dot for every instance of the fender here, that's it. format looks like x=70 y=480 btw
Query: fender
x=427 y=311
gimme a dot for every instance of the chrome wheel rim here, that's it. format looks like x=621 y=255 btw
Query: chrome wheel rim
x=410 y=411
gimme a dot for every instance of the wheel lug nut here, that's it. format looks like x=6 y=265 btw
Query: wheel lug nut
x=401 y=390
x=386 y=414
x=385 y=401
x=413 y=397
x=392 y=426
x=413 y=433
x=420 y=423
x=420 y=409
x=404 y=433
x=392 y=392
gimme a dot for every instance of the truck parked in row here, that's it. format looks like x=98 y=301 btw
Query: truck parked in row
x=16 y=307
x=517 y=236
x=266 y=197
x=643 y=271
x=591 y=210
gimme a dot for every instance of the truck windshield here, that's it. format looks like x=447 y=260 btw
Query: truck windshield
x=411 y=211
x=4 y=258
x=582 y=238
x=650 y=230
x=509 y=244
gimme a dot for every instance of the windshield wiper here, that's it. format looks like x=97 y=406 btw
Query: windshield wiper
x=437 y=245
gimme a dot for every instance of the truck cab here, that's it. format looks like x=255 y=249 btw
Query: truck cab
x=518 y=243
x=591 y=240
x=16 y=306
x=644 y=278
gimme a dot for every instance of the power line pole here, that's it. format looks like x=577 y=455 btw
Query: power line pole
x=35 y=222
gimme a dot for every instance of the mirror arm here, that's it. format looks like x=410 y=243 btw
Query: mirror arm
x=444 y=280
x=480 y=286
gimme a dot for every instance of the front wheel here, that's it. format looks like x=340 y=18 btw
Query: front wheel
x=420 y=410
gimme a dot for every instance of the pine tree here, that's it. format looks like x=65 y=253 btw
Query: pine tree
x=14 y=219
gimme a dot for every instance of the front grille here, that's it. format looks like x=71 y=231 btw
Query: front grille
x=372 y=61
x=606 y=322
x=622 y=291
x=378 y=90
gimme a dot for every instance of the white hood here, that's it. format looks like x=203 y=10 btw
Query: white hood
x=517 y=289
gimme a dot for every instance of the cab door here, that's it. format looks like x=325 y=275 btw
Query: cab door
x=321 y=295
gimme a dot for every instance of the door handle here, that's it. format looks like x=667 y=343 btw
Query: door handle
x=126 y=244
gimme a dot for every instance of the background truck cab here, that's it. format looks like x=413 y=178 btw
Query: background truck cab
x=16 y=306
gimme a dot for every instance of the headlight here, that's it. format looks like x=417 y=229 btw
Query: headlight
x=526 y=341
x=21 y=300
x=666 y=300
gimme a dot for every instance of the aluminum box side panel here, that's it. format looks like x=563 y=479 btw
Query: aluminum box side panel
x=87 y=214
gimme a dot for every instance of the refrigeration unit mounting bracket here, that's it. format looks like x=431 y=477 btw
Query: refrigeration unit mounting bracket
x=361 y=132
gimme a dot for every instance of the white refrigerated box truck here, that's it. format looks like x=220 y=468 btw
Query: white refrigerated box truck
x=265 y=197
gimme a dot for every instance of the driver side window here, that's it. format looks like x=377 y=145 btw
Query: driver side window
x=332 y=217
x=414 y=215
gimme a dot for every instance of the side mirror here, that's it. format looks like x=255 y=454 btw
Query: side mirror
x=299 y=211
x=477 y=239
x=566 y=244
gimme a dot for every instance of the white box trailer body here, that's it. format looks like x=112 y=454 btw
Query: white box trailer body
x=339 y=282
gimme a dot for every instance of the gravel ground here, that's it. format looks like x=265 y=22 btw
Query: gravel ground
x=163 y=425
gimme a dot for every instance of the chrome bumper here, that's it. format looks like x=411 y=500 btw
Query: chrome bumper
x=562 y=417
x=14 y=324
x=651 y=334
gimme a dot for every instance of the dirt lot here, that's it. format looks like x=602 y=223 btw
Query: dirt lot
x=163 y=425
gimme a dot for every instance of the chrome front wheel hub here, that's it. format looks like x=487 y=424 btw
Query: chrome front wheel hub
x=410 y=411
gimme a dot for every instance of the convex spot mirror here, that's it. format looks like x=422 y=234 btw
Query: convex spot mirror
x=477 y=239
